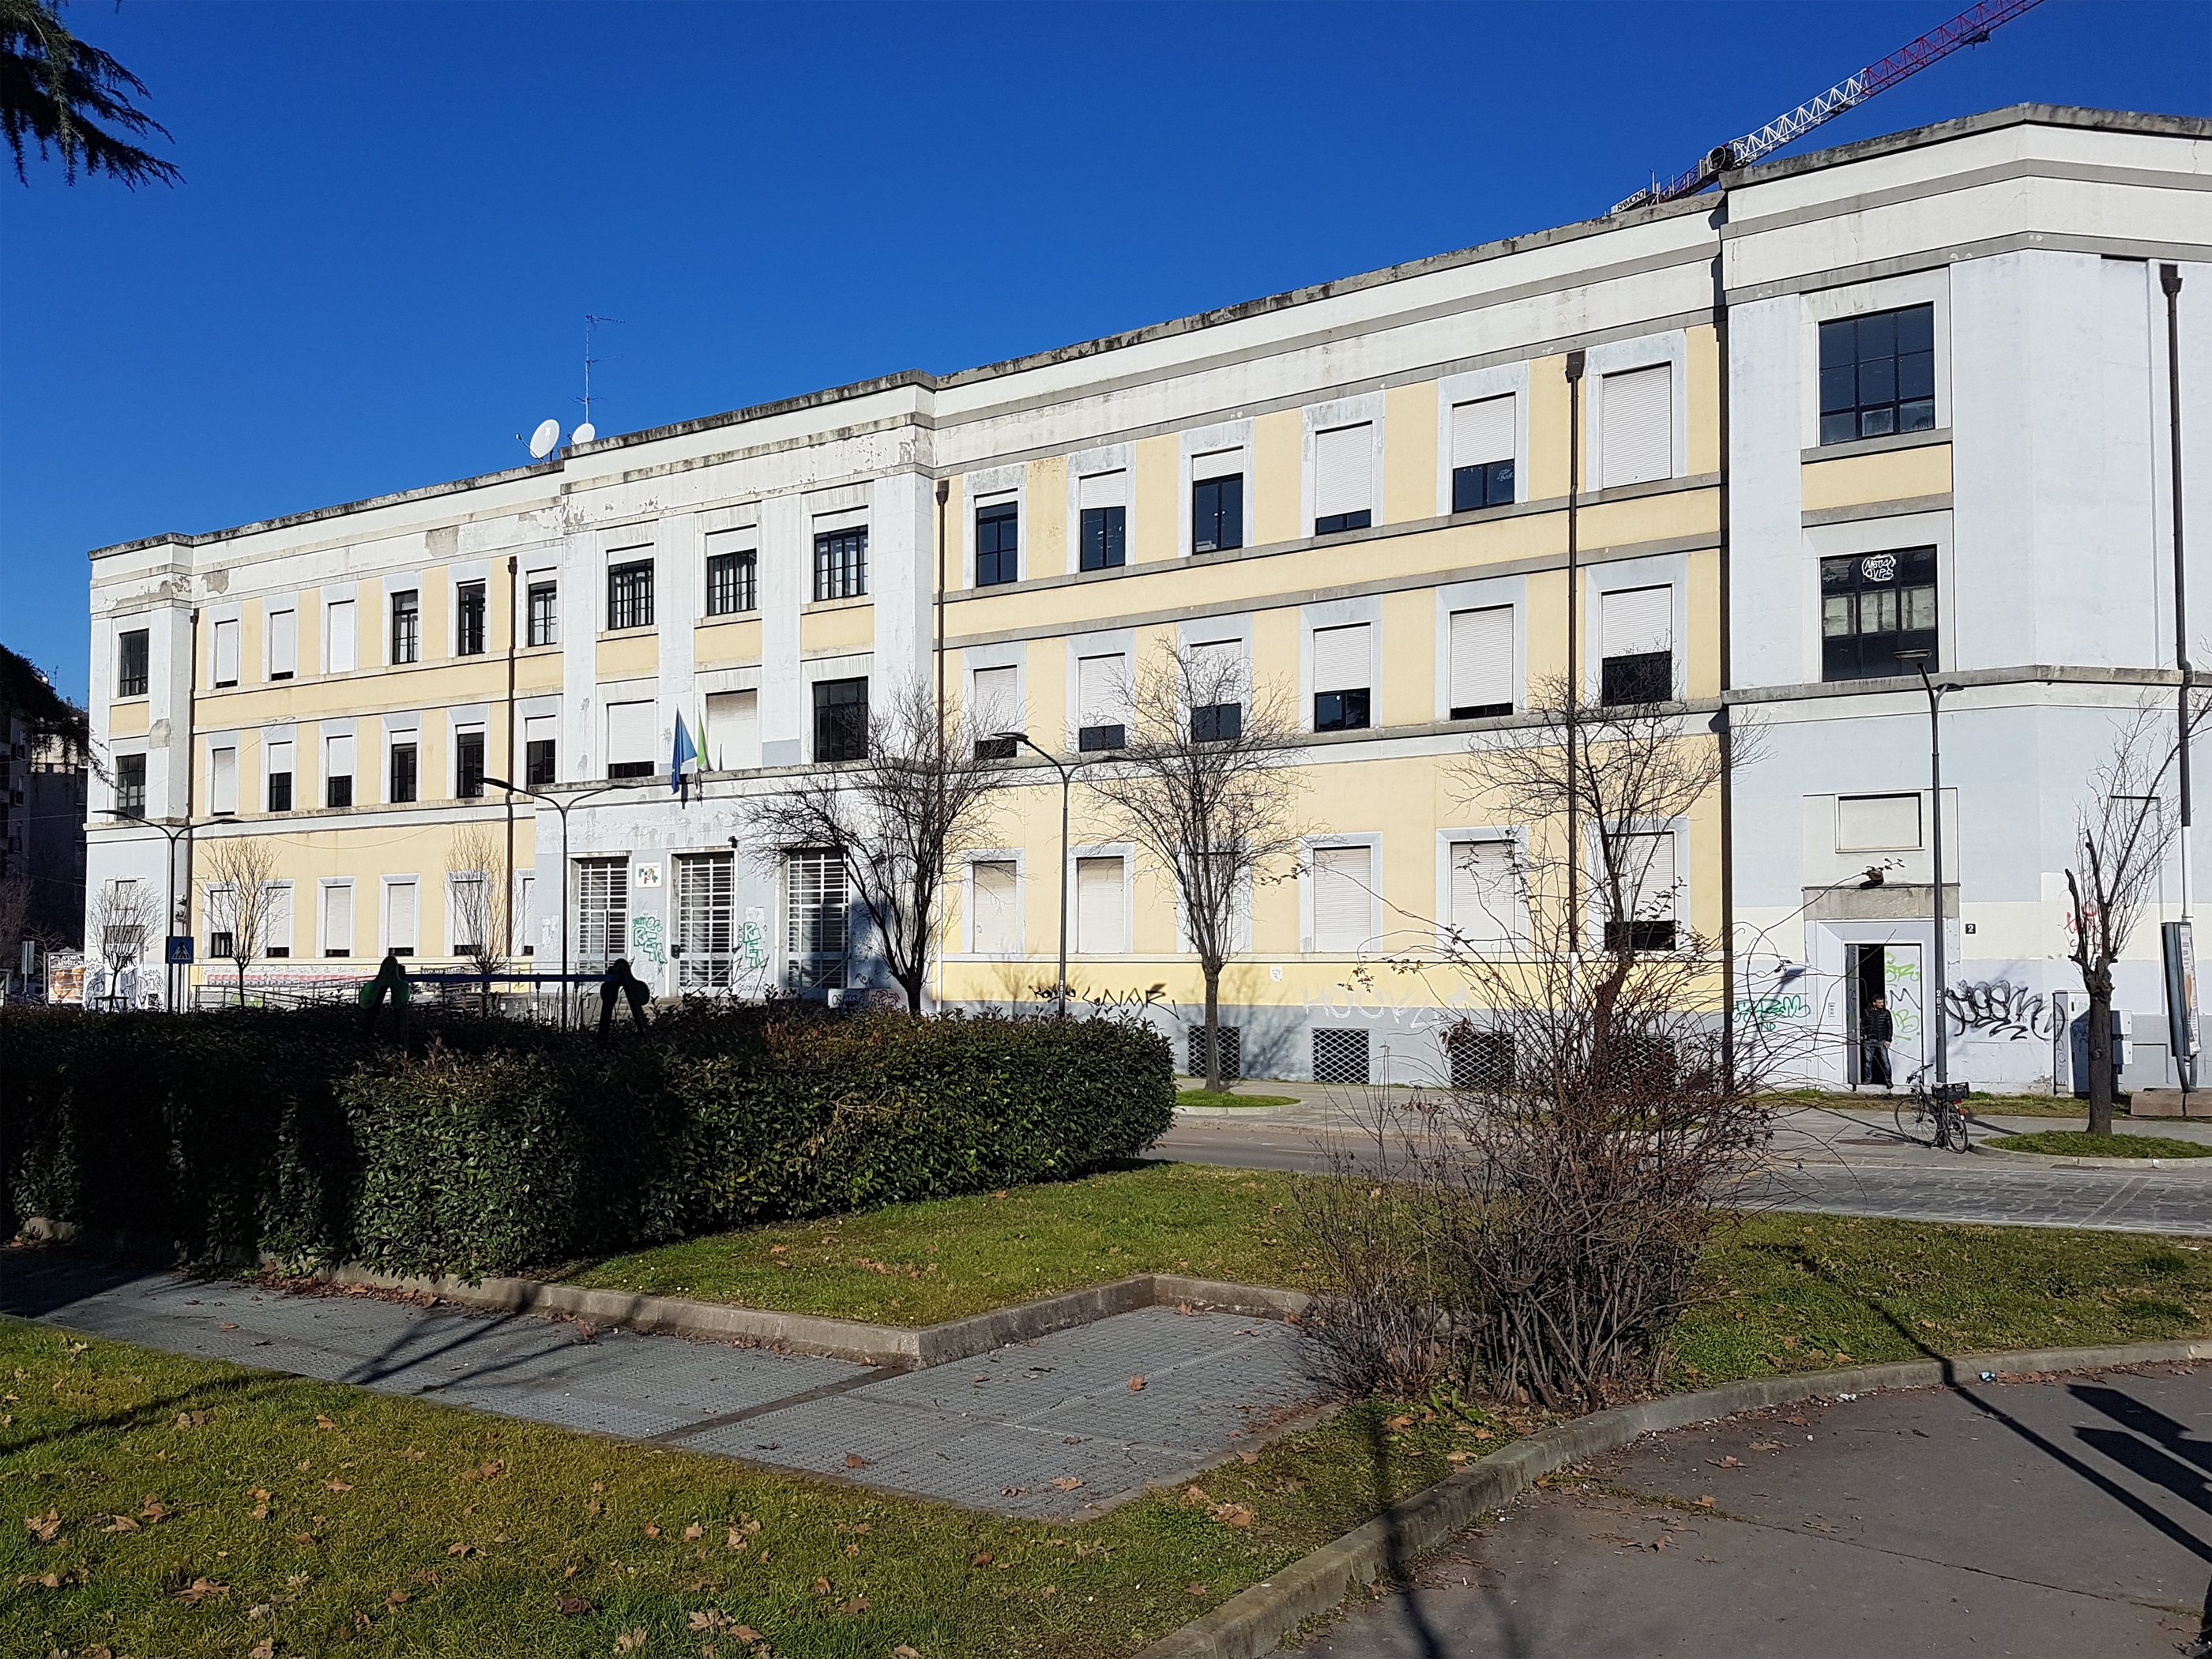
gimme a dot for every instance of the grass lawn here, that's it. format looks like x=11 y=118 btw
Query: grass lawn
x=1873 y=1100
x=2077 y=1143
x=1226 y=1098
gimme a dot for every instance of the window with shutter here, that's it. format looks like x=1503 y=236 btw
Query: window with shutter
x=226 y=654
x=732 y=740
x=1101 y=702
x=703 y=890
x=629 y=739
x=284 y=644
x=1639 y=426
x=338 y=919
x=1103 y=504
x=1343 y=665
x=342 y=653
x=1482 y=663
x=1483 y=443
x=1485 y=897
x=399 y=918
x=337 y=771
x=276 y=767
x=1646 y=904
x=990 y=883
x=278 y=925
x=818 y=911
x=1217 y=501
x=222 y=779
x=1217 y=690
x=540 y=750
x=1638 y=630
x=1343 y=897
x=1101 y=914
x=602 y=913
x=1344 y=478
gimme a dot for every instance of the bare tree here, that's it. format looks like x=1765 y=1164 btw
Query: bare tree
x=123 y=916
x=241 y=900
x=475 y=874
x=1206 y=790
x=920 y=797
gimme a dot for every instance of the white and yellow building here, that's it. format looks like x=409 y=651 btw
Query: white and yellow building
x=1364 y=490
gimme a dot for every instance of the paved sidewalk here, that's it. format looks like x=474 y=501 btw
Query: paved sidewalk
x=2058 y=1520
x=993 y=1432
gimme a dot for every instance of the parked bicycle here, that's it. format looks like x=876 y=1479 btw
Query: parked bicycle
x=1937 y=1114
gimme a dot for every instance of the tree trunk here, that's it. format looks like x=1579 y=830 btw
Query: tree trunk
x=241 y=982
x=1213 y=971
x=2100 y=1053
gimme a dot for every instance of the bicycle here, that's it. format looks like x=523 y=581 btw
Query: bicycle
x=1939 y=1116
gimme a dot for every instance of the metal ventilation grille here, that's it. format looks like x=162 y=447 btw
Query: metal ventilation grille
x=1232 y=1051
x=1481 y=1060
x=1339 y=1056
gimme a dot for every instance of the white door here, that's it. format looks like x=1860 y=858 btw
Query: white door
x=1901 y=979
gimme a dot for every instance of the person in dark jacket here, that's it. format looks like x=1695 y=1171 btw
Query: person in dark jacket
x=1877 y=1029
x=618 y=982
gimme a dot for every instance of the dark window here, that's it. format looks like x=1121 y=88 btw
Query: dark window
x=629 y=769
x=338 y=790
x=1487 y=484
x=1105 y=537
x=278 y=950
x=406 y=627
x=544 y=622
x=994 y=749
x=1480 y=1059
x=998 y=544
x=1337 y=521
x=1339 y=1056
x=469 y=632
x=280 y=792
x=1342 y=711
x=1231 y=1048
x=1872 y=606
x=130 y=668
x=630 y=595
x=538 y=766
x=1102 y=737
x=1217 y=722
x=130 y=785
x=730 y=584
x=1479 y=711
x=1647 y=677
x=405 y=772
x=1640 y=935
x=1217 y=514
x=840 y=564
x=220 y=945
x=840 y=720
x=1878 y=374
x=469 y=765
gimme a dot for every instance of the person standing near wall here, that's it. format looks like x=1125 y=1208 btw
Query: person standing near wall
x=1877 y=1031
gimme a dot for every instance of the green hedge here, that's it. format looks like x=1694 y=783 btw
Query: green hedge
x=493 y=1148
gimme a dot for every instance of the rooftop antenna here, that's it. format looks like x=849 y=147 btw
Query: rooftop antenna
x=586 y=433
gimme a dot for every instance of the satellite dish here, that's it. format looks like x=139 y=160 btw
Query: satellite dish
x=584 y=434
x=543 y=439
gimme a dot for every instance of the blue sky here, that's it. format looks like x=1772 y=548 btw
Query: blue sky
x=395 y=216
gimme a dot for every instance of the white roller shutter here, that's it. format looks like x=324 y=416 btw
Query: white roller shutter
x=344 y=647
x=283 y=642
x=1102 y=489
x=278 y=929
x=992 y=883
x=630 y=734
x=1217 y=672
x=1221 y=464
x=226 y=652
x=1344 y=470
x=338 y=919
x=1100 y=914
x=998 y=705
x=337 y=758
x=1650 y=861
x=732 y=742
x=222 y=779
x=275 y=756
x=1482 y=431
x=1343 y=897
x=1482 y=657
x=1639 y=426
x=1484 y=901
x=1342 y=659
x=1639 y=620
x=399 y=916
x=1099 y=698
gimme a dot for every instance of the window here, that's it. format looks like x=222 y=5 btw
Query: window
x=1483 y=440
x=1877 y=823
x=1484 y=891
x=1638 y=426
x=1339 y=1056
x=1343 y=897
x=1102 y=501
x=996 y=706
x=732 y=740
x=1481 y=663
x=1480 y=1059
x=1102 y=920
x=998 y=543
x=815 y=904
x=469 y=763
x=840 y=564
x=1219 y=722
x=1638 y=625
x=544 y=622
x=1646 y=917
x=1873 y=605
x=1878 y=374
x=277 y=764
x=226 y=652
x=130 y=785
x=518 y=922
x=284 y=644
x=1100 y=703
x=601 y=912
x=703 y=921
x=400 y=937
x=279 y=925
x=468 y=909
x=338 y=919
x=130 y=652
x=1232 y=1050
x=406 y=627
x=222 y=779
x=1216 y=690
x=731 y=584
x=337 y=771
x=1342 y=667
x=469 y=620
x=1217 y=502
x=630 y=595
x=406 y=774
x=993 y=920
x=629 y=739
x=1344 y=478
x=840 y=720
x=341 y=653
x=539 y=749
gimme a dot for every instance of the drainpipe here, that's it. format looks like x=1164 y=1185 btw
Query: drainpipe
x=1574 y=363
x=2169 y=280
x=944 y=494
x=1723 y=727
x=511 y=618
x=192 y=769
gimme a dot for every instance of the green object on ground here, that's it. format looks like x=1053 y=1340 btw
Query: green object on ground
x=1223 y=1097
x=1873 y=1100
x=2079 y=1143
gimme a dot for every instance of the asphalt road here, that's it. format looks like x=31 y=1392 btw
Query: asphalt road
x=2064 y=1519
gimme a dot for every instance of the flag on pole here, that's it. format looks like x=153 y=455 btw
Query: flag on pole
x=677 y=781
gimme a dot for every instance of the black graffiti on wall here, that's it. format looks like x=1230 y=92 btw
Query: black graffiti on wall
x=1999 y=1010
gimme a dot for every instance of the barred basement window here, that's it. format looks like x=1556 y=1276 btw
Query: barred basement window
x=817 y=906
x=1339 y=1056
x=1480 y=1059
x=1232 y=1051
x=601 y=912
x=703 y=921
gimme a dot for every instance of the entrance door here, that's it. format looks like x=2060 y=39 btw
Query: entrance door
x=1891 y=972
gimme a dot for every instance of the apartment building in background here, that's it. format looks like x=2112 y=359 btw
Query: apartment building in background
x=1905 y=394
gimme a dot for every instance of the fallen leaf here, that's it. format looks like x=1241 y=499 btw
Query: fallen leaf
x=322 y=1422
x=1706 y=1502
x=1136 y=1385
x=1234 y=1515
x=1068 y=1483
x=261 y=1610
x=858 y=1604
x=264 y=1649
x=1195 y=1590
x=153 y=1509
x=1405 y=1422
x=629 y=1641
x=1248 y=1458
x=571 y=1606
x=45 y=1528
x=777 y=1250
x=822 y=1587
x=709 y=1618
x=744 y=1633
x=414 y=1456
x=1183 y=1307
x=200 y=1589
x=652 y=1529
x=1457 y=1456
x=852 y=1549
x=1729 y=1462
x=339 y=1486
x=121 y=1523
x=902 y=1651
x=460 y=1549
x=855 y=1460
x=980 y=1558
x=694 y=1530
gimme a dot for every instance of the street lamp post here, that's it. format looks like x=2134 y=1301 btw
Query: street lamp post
x=169 y=916
x=1933 y=1006
x=1067 y=776
x=562 y=807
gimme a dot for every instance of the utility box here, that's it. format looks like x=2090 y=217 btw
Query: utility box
x=2124 y=1031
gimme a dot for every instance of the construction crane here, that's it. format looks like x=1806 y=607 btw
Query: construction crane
x=1968 y=28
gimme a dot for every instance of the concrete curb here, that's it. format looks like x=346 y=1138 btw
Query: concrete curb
x=1253 y=1623
x=2084 y=1161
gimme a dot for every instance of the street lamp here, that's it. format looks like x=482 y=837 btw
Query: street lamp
x=1067 y=776
x=1919 y=660
x=168 y=916
x=562 y=807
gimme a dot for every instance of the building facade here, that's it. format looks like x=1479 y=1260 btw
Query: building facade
x=1907 y=394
